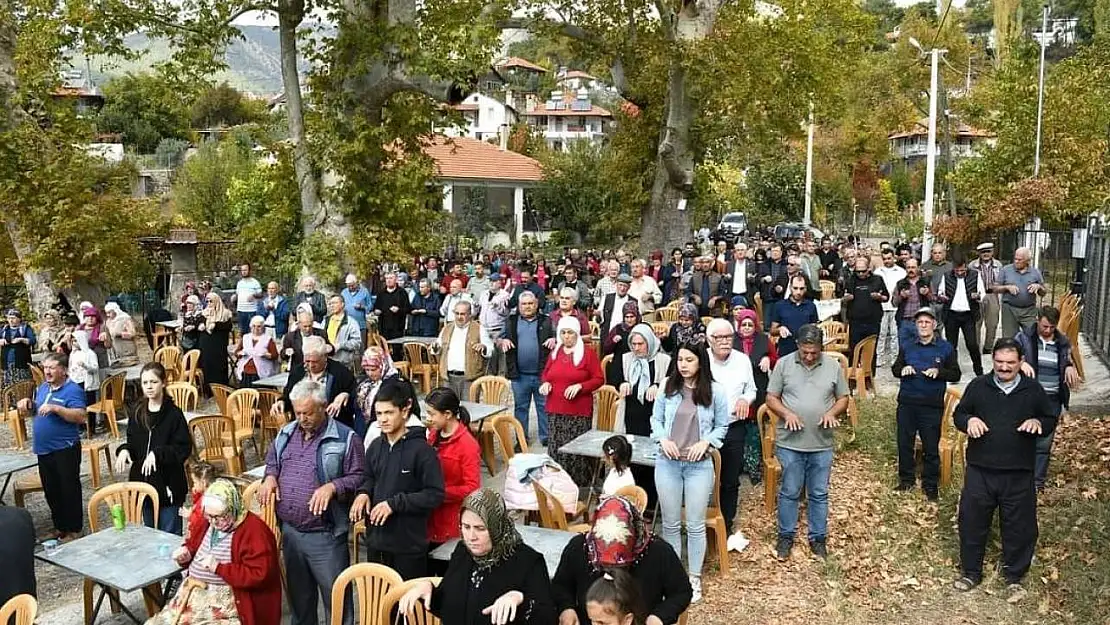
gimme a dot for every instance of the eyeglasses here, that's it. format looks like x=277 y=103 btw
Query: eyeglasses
x=721 y=337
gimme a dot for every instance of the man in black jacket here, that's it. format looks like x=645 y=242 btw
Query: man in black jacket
x=864 y=294
x=392 y=306
x=523 y=343
x=334 y=375
x=402 y=485
x=961 y=290
x=17 y=548
x=1002 y=413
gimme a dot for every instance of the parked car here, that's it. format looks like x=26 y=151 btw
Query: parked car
x=792 y=230
x=730 y=228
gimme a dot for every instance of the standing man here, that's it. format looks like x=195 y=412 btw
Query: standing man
x=567 y=308
x=644 y=289
x=608 y=282
x=357 y=302
x=706 y=287
x=1002 y=414
x=274 y=308
x=463 y=348
x=523 y=343
x=808 y=392
x=733 y=370
x=314 y=465
x=425 y=310
x=571 y=281
x=402 y=484
x=479 y=283
x=989 y=309
x=791 y=314
x=926 y=365
x=343 y=334
x=933 y=270
x=960 y=291
x=736 y=277
x=911 y=294
x=527 y=284
x=891 y=274
x=613 y=303
x=493 y=308
x=864 y=296
x=248 y=292
x=433 y=273
x=392 y=306
x=455 y=294
x=337 y=379
x=1020 y=286
x=58 y=412
x=309 y=295
x=830 y=260
x=1049 y=360
x=810 y=262
x=457 y=273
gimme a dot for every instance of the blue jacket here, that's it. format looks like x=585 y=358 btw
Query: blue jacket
x=713 y=420
x=350 y=300
x=426 y=324
x=918 y=388
x=1030 y=344
x=281 y=315
x=335 y=443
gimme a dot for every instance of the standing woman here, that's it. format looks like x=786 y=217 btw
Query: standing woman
x=377 y=365
x=52 y=337
x=122 y=328
x=257 y=354
x=214 y=339
x=761 y=351
x=449 y=434
x=100 y=340
x=158 y=437
x=570 y=377
x=688 y=329
x=17 y=341
x=192 y=324
x=189 y=292
x=616 y=342
x=691 y=416
x=492 y=577
x=671 y=275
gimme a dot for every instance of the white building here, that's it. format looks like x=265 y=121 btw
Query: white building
x=485 y=116
x=573 y=80
x=912 y=145
x=566 y=117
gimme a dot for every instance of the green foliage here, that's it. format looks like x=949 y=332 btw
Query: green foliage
x=576 y=195
x=776 y=187
x=223 y=105
x=201 y=188
x=144 y=109
x=170 y=152
x=886 y=201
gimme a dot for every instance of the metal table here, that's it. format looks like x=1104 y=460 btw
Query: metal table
x=10 y=463
x=426 y=340
x=132 y=373
x=173 y=324
x=550 y=544
x=125 y=560
x=644 y=450
x=477 y=411
x=277 y=381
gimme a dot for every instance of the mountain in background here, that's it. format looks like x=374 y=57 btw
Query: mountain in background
x=253 y=62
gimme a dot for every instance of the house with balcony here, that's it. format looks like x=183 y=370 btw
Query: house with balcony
x=911 y=146
x=517 y=74
x=484 y=117
x=566 y=117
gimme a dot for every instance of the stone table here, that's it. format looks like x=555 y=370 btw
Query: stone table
x=10 y=463
x=426 y=340
x=276 y=381
x=550 y=544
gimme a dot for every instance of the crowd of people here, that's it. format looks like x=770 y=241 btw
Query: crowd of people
x=359 y=448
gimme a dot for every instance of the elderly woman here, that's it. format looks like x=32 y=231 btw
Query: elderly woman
x=190 y=291
x=625 y=543
x=688 y=329
x=343 y=333
x=616 y=342
x=192 y=323
x=233 y=576
x=377 y=367
x=256 y=354
x=122 y=328
x=493 y=577
x=100 y=340
x=17 y=341
x=761 y=351
x=214 y=337
x=53 y=336
x=570 y=376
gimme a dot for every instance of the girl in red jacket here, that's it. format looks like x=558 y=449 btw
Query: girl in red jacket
x=449 y=434
x=232 y=567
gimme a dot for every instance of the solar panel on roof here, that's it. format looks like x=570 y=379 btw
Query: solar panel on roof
x=550 y=106
x=580 y=105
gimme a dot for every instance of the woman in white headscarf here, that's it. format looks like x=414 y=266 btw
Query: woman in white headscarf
x=570 y=377
x=256 y=354
x=122 y=328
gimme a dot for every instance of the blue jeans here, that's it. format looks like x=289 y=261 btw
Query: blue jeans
x=690 y=483
x=810 y=469
x=1044 y=446
x=169 y=517
x=525 y=389
x=245 y=322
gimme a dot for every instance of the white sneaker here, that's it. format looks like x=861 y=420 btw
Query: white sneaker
x=737 y=542
x=695 y=584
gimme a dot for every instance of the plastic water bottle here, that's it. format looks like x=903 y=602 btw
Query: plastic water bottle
x=118 y=520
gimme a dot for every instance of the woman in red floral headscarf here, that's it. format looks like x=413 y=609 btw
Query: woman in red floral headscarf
x=619 y=539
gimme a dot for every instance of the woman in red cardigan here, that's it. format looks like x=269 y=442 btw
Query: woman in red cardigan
x=570 y=377
x=233 y=575
x=449 y=434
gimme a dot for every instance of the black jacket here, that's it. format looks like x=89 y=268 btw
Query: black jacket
x=391 y=324
x=408 y=476
x=1003 y=447
x=340 y=380
x=904 y=285
x=863 y=309
x=456 y=601
x=172 y=443
x=664 y=586
x=510 y=332
x=17 y=549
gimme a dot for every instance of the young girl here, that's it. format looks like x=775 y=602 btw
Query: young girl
x=614 y=600
x=202 y=474
x=618 y=455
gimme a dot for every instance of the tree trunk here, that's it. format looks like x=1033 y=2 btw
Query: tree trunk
x=290 y=15
x=664 y=226
x=9 y=117
x=40 y=285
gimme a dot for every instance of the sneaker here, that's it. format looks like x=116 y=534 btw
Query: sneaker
x=737 y=542
x=818 y=548
x=905 y=486
x=783 y=547
x=695 y=585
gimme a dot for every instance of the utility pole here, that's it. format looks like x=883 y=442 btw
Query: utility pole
x=931 y=154
x=1034 y=224
x=807 y=217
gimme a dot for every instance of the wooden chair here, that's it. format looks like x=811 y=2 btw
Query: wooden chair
x=661 y=328
x=638 y=496
x=215 y=442
x=270 y=425
x=682 y=619
x=605 y=365
x=220 y=392
x=19 y=610
x=757 y=304
x=163 y=336
x=170 y=358
x=714 y=519
x=190 y=368
x=419 y=615
x=421 y=365
x=111 y=400
x=372 y=582
x=552 y=515
x=948 y=441
x=26 y=485
x=668 y=314
x=184 y=395
x=498 y=391
x=267 y=511
x=860 y=371
x=606 y=398
x=132 y=496
x=767 y=420
x=828 y=289
x=833 y=329
x=241 y=406
x=9 y=400
x=37 y=376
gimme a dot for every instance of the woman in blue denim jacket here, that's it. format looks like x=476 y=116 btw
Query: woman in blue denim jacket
x=689 y=418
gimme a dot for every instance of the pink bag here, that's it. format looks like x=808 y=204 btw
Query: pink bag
x=520 y=495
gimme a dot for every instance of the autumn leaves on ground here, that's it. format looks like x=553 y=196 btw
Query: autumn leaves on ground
x=892 y=556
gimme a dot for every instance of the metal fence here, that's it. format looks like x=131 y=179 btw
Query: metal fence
x=1052 y=251
x=1096 y=301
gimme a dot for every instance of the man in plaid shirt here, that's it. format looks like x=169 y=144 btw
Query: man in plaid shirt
x=911 y=294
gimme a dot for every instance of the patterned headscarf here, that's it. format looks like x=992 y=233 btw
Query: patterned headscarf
x=223 y=494
x=490 y=507
x=619 y=535
x=693 y=335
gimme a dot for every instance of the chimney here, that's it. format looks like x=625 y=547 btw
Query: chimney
x=509 y=99
x=530 y=102
x=503 y=133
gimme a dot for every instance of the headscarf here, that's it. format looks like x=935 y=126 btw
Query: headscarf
x=695 y=334
x=51 y=314
x=505 y=538
x=747 y=343
x=94 y=332
x=223 y=494
x=217 y=313
x=631 y=308
x=569 y=323
x=383 y=360
x=637 y=371
x=84 y=306
x=120 y=319
x=619 y=535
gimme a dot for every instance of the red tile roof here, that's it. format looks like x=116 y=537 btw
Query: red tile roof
x=466 y=158
x=921 y=128
x=575 y=74
x=514 y=61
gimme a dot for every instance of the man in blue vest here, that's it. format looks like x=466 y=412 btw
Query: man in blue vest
x=314 y=468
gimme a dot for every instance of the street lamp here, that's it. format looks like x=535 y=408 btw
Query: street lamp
x=807 y=218
x=931 y=153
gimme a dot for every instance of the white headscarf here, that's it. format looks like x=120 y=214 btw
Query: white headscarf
x=570 y=323
x=637 y=371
